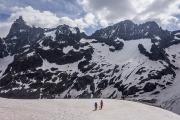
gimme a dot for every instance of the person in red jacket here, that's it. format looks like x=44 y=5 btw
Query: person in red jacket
x=101 y=104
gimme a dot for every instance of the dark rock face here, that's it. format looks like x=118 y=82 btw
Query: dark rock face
x=82 y=82
x=58 y=57
x=128 y=30
x=17 y=27
x=143 y=50
x=103 y=84
x=68 y=35
x=132 y=90
x=149 y=87
x=155 y=54
x=23 y=63
x=21 y=35
x=85 y=65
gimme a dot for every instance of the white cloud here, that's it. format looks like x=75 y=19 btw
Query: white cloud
x=44 y=19
x=90 y=19
x=4 y=27
x=101 y=13
x=35 y=17
x=163 y=12
x=141 y=5
x=111 y=11
x=31 y=16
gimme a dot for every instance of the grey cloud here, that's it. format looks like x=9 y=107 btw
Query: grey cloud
x=117 y=8
x=163 y=13
x=68 y=8
x=159 y=6
x=177 y=15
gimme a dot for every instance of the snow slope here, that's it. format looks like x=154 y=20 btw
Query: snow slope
x=80 y=109
x=170 y=98
x=4 y=62
x=130 y=51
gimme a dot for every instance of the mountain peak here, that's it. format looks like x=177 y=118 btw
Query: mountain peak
x=20 y=20
x=151 y=24
x=66 y=30
x=19 y=26
x=128 y=30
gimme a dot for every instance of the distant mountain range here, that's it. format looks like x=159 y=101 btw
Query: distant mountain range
x=123 y=61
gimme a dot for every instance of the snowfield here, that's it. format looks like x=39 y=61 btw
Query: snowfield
x=80 y=109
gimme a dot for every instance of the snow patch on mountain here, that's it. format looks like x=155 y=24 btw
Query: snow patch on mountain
x=70 y=68
x=129 y=52
x=4 y=62
x=73 y=30
x=51 y=34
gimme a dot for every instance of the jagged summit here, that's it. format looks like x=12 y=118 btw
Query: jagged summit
x=18 y=26
x=21 y=34
x=63 y=34
x=20 y=20
x=128 y=30
x=66 y=29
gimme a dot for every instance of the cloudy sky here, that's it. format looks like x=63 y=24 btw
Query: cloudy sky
x=89 y=15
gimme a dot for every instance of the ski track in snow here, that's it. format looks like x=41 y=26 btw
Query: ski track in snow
x=80 y=109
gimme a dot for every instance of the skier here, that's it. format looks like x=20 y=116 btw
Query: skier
x=95 y=106
x=101 y=104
